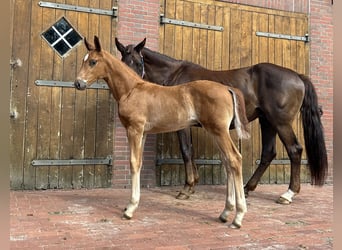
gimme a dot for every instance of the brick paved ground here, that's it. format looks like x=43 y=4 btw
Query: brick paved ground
x=91 y=219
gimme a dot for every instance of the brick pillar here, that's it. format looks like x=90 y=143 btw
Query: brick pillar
x=137 y=19
x=321 y=67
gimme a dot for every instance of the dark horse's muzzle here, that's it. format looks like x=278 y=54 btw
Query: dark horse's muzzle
x=80 y=84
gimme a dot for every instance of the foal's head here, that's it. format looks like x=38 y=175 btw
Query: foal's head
x=93 y=65
x=131 y=56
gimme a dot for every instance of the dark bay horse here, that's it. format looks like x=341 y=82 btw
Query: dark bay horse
x=272 y=93
x=145 y=107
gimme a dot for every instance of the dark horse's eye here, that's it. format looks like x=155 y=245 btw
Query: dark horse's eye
x=92 y=62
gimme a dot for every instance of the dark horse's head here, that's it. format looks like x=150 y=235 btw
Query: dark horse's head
x=131 y=55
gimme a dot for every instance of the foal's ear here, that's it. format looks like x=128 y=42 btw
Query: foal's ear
x=120 y=46
x=88 y=45
x=140 y=46
x=97 y=44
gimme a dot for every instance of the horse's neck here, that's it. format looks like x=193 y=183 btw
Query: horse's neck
x=120 y=79
x=159 y=67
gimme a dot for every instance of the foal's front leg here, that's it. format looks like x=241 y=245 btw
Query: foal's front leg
x=136 y=142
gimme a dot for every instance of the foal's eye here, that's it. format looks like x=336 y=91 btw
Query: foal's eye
x=92 y=62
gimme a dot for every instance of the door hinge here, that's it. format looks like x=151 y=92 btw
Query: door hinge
x=304 y=38
x=97 y=161
x=113 y=12
x=50 y=83
x=165 y=20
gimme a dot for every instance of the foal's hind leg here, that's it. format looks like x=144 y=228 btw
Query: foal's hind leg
x=294 y=151
x=268 y=134
x=235 y=197
x=191 y=173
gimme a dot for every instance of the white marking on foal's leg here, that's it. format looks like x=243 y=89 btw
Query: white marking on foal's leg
x=286 y=198
x=230 y=193
x=134 y=202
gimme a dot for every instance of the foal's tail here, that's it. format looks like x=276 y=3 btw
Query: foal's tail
x=313 y=134
x=240 y=118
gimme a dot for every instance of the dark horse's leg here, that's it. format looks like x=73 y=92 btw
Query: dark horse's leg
x=191 y=173
x=268 y=139
x=294 y=151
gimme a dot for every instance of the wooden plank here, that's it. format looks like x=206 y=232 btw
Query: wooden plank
x=31 y=132
x=55 y=116
x=246 y=39
x=178 y=38
x=170 y=12
x=90 y=107
x=196 y=17
x=68 y=178
x=218 y=35
x=255 y=139
x=246 y=60
x=203 y=37
x=235 y=38
x=79 y=127
x=287 y=64
x=44 y=104
x=161 y=29
x=263 y=57
x=278 y=59
x=271 y=59
x=225 y=39
x=20 y=171
x=187 y=48
x=104 y=127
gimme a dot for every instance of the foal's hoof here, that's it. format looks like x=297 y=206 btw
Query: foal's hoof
x=283 y=201
x=126 y=215
x=235 y=226
x=182 y=195
x=223 y=219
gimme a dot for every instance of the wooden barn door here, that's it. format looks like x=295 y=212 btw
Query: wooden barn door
x=220 y=36
x=60 y=137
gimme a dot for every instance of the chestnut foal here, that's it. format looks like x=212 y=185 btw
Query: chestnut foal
x=145 y=107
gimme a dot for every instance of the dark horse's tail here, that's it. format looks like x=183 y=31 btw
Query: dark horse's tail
x=313 y=134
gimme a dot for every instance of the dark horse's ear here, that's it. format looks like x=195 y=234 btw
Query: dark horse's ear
x=88 y=45
x=97 y=44
x=120 y=46
x=140 y=46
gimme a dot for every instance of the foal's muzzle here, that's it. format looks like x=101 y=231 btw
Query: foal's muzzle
x=80 y=84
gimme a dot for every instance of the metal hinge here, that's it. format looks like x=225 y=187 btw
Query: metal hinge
x=99 y=161
x=165 y=20
x=283 y=162
x=180 y=161
x=304 y=38
x=113 y=12
x=48 y=83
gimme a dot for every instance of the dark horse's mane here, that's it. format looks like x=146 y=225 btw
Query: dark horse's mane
x=162 y=58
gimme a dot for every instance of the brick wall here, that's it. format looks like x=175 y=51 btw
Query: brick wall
x=137 y=19
x=321 y=66
x=140 y=18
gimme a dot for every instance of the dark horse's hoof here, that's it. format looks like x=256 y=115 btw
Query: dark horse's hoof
x=246 y=192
